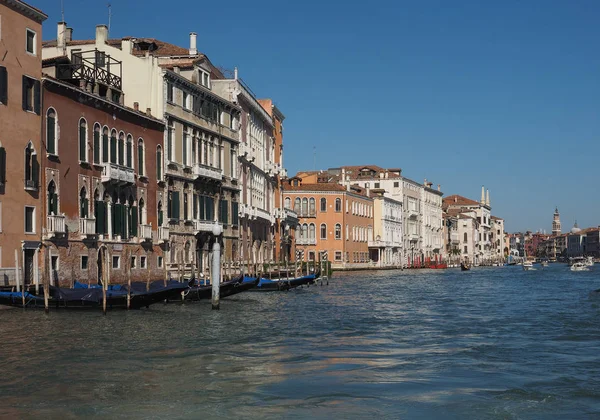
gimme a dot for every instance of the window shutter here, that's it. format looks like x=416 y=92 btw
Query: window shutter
x=35 y=170
x=140 y=160
x=195 y=206
x=121 y=151
x=158 y=165
x=124 y=222
x=176 y=205
x=105 y=147
x=134 y=221
x=96 y=146
x=55 y=204
x=210 y=208
x=82 y=142
x=234 y=213
x=202 y=204
x=24 y=97
x=113 y=149
x=3 y=85
x=129 y=153
x=50 y=133
x=36 y=97
x=2 y=165
x=160 y=218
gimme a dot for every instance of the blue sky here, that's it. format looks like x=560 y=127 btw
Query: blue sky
x=463 y=93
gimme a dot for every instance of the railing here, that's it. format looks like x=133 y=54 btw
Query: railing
x=163 y=233
x=306 y=241
x=144 y=232
x=207 y=172
x=111 y=172
x=263 y=214
x=87 y=227
x=55 y=225
x=284 y=214
x=205 y=225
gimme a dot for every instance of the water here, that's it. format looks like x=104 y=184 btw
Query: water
x=489 y=343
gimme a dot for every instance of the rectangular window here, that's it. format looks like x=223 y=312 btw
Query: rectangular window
x=169 y=92
x=234 y=213
x=143 y=262
x=159 y=262
x=84 y=262
x=133 y=262
x=116 y=262
x=396 y=184
x=224 y=216
x=376 y=185
x=31 y=95
x=338 y=255
x=184 y=103
x=30 y=45
x=3 y=85
x=54 y=263
x=29 y=219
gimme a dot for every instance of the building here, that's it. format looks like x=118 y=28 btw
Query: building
x=593 y=242
x=20 y=143
x=257 y=171
x=101 y=199
x=556 y=229
x=499 y=251
x=286 y=220
x=334 y=220
x=433 y=225
x=576 y=242
x=385 y=248
x=198 y=158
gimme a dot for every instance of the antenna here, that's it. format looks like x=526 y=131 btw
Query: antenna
x=62 y=10
x=109 y=16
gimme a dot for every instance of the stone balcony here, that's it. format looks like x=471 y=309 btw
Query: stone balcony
x=413 y=214
x=203 y=171
x=265 y=215
x=55 y=226
x=111 y=172
x=205 y=225
x=87 y=227
x=413 y=237
x=162 y=234
x=383 y=244
x=306 y=241
x=144 y=232
x=286 y=214
x=245 y=152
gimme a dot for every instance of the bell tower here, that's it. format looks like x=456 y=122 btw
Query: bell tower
x=556 y=230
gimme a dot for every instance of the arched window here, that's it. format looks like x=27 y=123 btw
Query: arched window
x=304 y=206
x=83 y=140
x=323 y=231
x=160 y=213
x=159 y=163
x=121 y=144
x=83 y=204
x=51 y=131
x=297 y=206
x=186 y=254
x=305 y=231
x=52 y=199
x=96 y=143
x=105 y=145
x=338 y=231
x=323 y=204
x=288 y=203
x=465 y=238
x=311 y=207
x=311 y=231
x=32 y=168
x=129 y=160
x=141 y=158
x=142 y=212
x=338 y=204
x=113 y=146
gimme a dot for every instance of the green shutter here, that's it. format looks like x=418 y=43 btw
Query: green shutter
x=129 y=154
x=36 y=97
x=124 y=233
x=96 y=146
x=160 y=218
x=234 y=213
x=210 y=208
x=2 y=165
x=113 y=149
x=24 y=91
x=202 y=207
x=100 y=214
x=35 y=170
x=3 y=85
x=121 y=152
x=51 y=134
x=82 y=144
x=134 y=221
x=140 y=160
x=195 y=206
x=105 y=147
x=158 y=165
x=176 y=205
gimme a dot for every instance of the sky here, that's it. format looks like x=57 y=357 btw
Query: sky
x=463 y=93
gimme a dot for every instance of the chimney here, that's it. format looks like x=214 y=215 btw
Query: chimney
x=455 y=199
x=61 y=33
x=235 y=73
x=381 y=175
x=148 y=111
x=127 y=45
x=193 y=49
x=487 y=198
x=482 y=201
x=136 y=106
x=101 y=34
x=69 y=35
x=439 y=187
x=387 y=174
x=425 y=182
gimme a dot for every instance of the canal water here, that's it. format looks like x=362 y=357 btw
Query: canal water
x=489 y=343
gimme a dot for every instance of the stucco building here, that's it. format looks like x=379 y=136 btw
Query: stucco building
x=20 y=143
x=385 y=247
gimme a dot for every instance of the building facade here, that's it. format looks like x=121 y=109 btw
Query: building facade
x=20 y=142
x=385 y=247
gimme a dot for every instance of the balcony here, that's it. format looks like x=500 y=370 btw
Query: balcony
x=205 y=225
x=413 y=214
x=245 y=152
x=383 y=244
x=413 y=237
x=111 y=172
x=144 y=232
x=207 y=172
x=263 y=214
x=87 y=227
x=286 y=214
x=163 y=234
x=306 y=241
x=55 y=226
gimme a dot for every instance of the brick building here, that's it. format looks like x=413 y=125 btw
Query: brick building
x=20 y=147
x=100 y=197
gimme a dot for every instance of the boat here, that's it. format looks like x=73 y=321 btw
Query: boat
x=528 y=266
x=587 y=261
x=464 y=266
x=544 y=263
x=232 y=287
x=273 y=285
x=16 y=299
x=580 y=266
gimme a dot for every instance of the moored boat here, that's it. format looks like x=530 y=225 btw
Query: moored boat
x=464 y=266
x=227 y=288
x=273 y=285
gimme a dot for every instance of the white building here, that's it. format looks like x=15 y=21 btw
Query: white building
x=385 y=245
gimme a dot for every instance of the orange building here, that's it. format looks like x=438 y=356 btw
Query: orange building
x=332 y=219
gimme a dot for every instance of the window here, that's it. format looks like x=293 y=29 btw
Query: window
x=30 y=45
x=185 y=206
x=338 y=205
x=83 y=204
x=184 y=102
x=116 y=262
x=121 y=148
x=31 y=95
x=169 y=92
x=170 y=151
x=297 y=206
x=113 y=146
x=29 y=219
x=376 y=185
x=304 y=206
x=465 y=251
x=159 y=261
x=184 y=146
x=51 y=131
x=82 y=140
x=338 y=255
x=323 y=204
x=311 y=207
x=396 y=184
x=2 y=166
x=338 y=231
x=84 y=262
x=234 y=213
x=143 y=262
x=224 y=216
x=159 y=162
x=32 y=168
x=288 y=203
x=3 y=85
x=133 y=262
x=323 y=231
x=141 y=158
x=96 y=143
x=129 y=160
x=311 y=231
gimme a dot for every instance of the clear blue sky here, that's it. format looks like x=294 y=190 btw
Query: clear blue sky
x=504 y=94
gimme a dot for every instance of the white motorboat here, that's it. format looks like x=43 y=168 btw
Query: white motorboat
x=544 y=263
x=580 y=266
x=528 y=266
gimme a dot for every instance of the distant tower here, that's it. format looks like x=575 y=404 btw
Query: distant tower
x=556 y=230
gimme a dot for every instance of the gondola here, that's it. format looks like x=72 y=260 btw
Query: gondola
x=227 y=288
x=464 y=267
x=274 y=285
